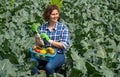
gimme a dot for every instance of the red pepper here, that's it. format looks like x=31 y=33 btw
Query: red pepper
x=37 y=50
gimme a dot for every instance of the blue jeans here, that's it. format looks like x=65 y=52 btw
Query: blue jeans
x=49 y=66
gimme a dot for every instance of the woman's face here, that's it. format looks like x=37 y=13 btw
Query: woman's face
x=54 y=16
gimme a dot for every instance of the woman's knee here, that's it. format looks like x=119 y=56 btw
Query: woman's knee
x=49 y=67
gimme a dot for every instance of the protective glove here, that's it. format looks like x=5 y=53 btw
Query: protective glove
x=45 y=37
x=34 y=28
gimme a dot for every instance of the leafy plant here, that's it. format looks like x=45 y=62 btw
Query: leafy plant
x=94 y=34
x=94 y=28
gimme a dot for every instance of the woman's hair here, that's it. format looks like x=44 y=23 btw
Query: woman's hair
x=48 y=11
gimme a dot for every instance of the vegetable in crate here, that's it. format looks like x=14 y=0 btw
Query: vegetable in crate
x=37 y=50
x=50 y=50
x=34 y=47
x=43 y=51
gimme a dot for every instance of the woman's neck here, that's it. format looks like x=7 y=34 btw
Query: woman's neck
x=51 y=26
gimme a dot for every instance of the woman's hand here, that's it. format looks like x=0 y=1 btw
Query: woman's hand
x=45 y=37
x=38 y=40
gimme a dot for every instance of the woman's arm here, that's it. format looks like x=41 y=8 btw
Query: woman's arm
x=63 y=41
x=57 y=44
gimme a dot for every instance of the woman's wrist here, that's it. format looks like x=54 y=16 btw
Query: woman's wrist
x=50 y=41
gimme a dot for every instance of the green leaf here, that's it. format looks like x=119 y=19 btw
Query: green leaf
x=75 y=73
x=78 y=62
x=11 y=2
x=34 y=28
x=107 y=72
x=56 y=2
x=6 y=68
x=101 y=52
x=91 y=68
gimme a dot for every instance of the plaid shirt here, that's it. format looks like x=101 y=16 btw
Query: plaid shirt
x=59 y=33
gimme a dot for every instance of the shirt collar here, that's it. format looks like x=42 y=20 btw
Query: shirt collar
x=55 y=27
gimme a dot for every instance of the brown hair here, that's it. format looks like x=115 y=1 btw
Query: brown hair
x=48 y=11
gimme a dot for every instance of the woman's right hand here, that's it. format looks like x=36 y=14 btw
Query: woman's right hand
x=38 y=41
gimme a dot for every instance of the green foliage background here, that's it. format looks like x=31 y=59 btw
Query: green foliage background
x=94 y=27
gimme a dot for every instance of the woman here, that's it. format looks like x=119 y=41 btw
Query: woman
x=55 y=35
